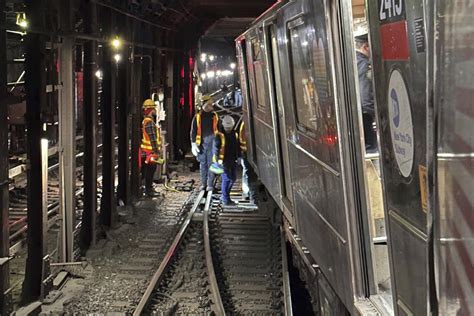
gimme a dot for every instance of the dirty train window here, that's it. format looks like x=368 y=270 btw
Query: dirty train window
x=310 y=79
x=259 y=74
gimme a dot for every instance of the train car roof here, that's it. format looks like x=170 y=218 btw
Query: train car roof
x=270 y=11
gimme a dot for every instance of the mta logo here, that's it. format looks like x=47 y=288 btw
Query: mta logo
x=395 y=108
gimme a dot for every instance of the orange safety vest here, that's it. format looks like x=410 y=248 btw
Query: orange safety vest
x=242 y=138
x=146 y=145
x=215 y=120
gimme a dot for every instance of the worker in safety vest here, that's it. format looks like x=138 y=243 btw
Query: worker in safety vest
x=226 y=152
x=150 y=147
x=247 y=191
x=203 y=129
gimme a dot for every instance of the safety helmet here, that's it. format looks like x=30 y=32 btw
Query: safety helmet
x=361 y=32
x=228 y=122
x=148 y=104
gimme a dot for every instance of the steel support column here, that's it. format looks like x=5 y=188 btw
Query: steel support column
x=108 y=205
x=87 y=234
x=67 y=139
x=135 y=177
x=123 y=140
x=5 y=245
x=35 y=81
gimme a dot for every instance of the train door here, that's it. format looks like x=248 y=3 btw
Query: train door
x=279 y=117
x=246 y=106
x=398 y=44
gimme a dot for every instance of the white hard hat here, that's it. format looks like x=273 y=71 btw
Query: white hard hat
x=228 y=122
x=361 y=30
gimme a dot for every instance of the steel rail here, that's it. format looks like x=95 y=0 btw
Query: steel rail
x=285 y=275
x=157 y=277
x=209 y=263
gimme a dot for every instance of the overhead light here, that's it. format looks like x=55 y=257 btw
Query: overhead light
x=203 y=76
x=99 y=74
x=117 y=42
x=203 y=57
x=211 y=74
x=211 y=57
x=117 y=58
x=21 y=20
x=218 y=73
x=232 y=65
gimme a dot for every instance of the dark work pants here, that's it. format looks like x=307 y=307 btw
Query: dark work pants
x=205 y=161
x=228 y=180
x=148 y=171
x=370 y=134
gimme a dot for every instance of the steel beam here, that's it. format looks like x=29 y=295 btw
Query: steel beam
x=136 y=127
x=87 y=234
x=67 y=139
x=108 y=205
x=35 y=78
x=123 y=126
x=4 y=242
x=67 y=156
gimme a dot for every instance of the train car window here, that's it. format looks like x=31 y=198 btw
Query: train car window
x=259 y=73
x=311 y=81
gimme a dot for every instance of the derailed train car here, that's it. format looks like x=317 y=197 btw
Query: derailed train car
x=374 y=232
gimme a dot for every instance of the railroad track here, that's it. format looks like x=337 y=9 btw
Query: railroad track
x=223 y=261
x=18 y=201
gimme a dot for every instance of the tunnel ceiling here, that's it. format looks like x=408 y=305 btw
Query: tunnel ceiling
x=194 y=18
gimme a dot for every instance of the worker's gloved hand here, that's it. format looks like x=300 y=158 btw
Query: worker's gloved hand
x=195 y=149
x=151 y=159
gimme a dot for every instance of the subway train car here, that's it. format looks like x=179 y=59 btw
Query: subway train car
x=382 y=233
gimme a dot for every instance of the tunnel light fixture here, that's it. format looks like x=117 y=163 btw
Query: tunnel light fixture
x=161 y=95
x=212 y=57
x=219 y=73
x=203 y=57
x=232 y=65
x=99 y=74
x=21 y=20
x=117 y=58
x=211 y=74
x=117 y=42
x=203 y=76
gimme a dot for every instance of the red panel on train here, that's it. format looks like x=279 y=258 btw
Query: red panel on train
x=394 y=40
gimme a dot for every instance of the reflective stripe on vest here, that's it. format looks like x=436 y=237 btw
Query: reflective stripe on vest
x=146 y=145
x=242 y=138
x=215 y=120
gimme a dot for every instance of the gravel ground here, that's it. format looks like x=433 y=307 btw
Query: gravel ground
x=123 y=263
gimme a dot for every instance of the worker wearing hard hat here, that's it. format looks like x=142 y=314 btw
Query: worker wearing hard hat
x=150 y=147
x=203 y=129
x=366 y=92
x=225 y=154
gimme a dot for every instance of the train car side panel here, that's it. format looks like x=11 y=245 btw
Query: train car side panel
x=314 y=146
x=261 y=111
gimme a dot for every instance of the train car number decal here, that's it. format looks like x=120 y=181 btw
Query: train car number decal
x=391 y=10
x=401 y=124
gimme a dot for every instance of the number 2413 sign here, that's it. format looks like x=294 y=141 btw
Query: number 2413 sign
x=391 y=10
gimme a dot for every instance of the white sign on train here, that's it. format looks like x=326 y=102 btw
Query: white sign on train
x=401 y=124
x=390 y=9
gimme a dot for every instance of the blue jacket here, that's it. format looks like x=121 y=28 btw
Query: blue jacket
x=365 y=84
